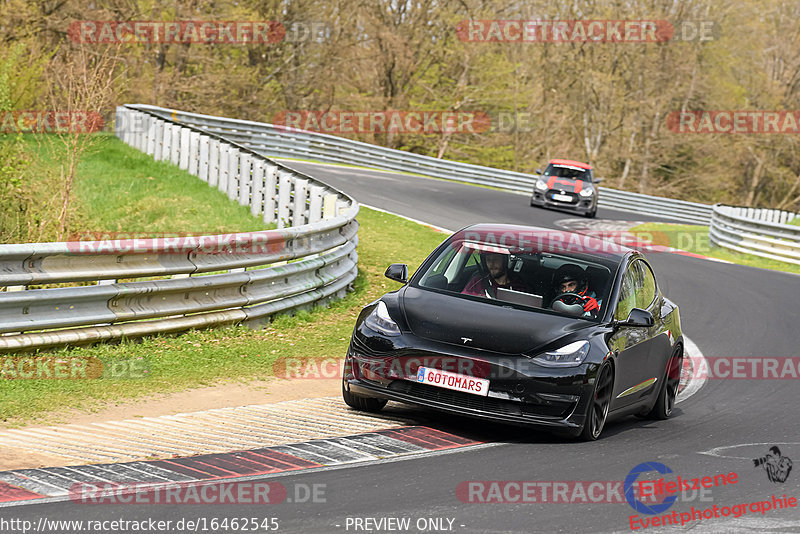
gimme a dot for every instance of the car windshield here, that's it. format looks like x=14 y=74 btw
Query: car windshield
x=522 y=270
x=566 y=171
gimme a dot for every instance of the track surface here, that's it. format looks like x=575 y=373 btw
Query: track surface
x=727 y=310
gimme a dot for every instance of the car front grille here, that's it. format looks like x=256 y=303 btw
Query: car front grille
x=573 y=197
x=425 y=392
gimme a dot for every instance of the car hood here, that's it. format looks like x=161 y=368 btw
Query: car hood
x=466 y=322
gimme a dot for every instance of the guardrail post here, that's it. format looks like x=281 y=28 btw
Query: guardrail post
x=245 y=178
x=185 y=151
x=166 y=144
x=341 y=206
x=315 y=203
x=270 y=193
x=257 y=188
x=130 y=131
x=151 y=136
x=329 y=206
x=194 y=152
x=175 y=146
x=284 y=197
x=136 y=135
x=234 y=175
x=300 y=194
x=213 y=162
x=158 y=139
x=120 y=120
x=224 y=167
x=202 y=165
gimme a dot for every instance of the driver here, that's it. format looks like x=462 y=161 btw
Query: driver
x=495 y=273
x=571 y=278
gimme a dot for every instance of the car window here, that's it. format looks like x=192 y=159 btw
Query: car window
x=646 y=285
x=568 y=172
x=638 y=289
x=627 y=295
x=514 y=275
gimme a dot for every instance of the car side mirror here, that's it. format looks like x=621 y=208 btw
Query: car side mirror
x=638 y=317
x=397 y=272
x=597 y=180
x=538 y=171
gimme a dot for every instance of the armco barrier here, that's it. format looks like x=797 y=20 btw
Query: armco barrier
x=762 y=232
x=281 y=142
x=310 y=259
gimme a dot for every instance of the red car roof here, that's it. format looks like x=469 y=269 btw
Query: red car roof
x=571 y=163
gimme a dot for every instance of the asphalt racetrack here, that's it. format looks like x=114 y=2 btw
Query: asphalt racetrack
x=727 y=310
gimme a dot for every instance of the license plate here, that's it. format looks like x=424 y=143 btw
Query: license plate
x=454 y=381
x=562 y=198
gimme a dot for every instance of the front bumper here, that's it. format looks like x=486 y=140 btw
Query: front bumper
x=582 y=205
x=520 y=392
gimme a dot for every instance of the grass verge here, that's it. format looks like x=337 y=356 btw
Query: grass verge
x=694 y=238
x=120 y=189
x=210 y=357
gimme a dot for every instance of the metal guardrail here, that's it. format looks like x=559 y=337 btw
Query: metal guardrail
x=204 y=280
x=762 y=232
x=282 y=142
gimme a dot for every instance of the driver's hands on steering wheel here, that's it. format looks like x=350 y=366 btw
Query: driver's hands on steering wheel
x=590 y=305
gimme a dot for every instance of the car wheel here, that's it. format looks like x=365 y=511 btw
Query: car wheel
x=669 y=388
x=591 y=214
x=532 y=204
x=597 y=412
x=364 y=404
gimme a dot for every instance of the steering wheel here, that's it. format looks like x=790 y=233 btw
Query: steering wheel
x=569 y=302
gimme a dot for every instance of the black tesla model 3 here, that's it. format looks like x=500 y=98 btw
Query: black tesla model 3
x=521 y=325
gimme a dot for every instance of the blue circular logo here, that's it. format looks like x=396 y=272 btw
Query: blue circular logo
x=635 y=503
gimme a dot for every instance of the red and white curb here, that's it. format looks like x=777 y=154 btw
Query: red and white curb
x=25 y=486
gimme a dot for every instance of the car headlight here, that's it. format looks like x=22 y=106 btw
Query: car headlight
x=380 y=321
x=567 y=356
x=586 y=192
x=541 y=185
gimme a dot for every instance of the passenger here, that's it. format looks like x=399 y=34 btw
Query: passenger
x=493 y=273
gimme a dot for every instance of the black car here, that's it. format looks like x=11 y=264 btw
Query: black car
x=486 y=329
x=567 y=185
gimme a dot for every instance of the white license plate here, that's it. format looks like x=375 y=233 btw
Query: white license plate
x=562 y=198
x=454 y=381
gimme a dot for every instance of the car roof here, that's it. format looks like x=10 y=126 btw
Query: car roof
x=558 y=241
x=571 y=163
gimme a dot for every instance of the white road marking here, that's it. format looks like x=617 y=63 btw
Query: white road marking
x=423 y=223
x=717 y=451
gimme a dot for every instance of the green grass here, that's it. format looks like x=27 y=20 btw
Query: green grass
x=209 y=357
x=119 y=189
x=694 y=238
